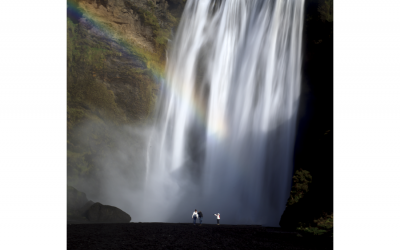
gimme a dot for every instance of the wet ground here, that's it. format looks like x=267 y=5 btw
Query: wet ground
x=187 y=236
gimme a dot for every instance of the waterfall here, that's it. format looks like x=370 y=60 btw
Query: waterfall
x=226 y=115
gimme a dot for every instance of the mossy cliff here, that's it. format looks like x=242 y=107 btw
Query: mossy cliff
x=310 y=205
x=115 y=52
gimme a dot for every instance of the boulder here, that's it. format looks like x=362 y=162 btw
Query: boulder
x=106 y=214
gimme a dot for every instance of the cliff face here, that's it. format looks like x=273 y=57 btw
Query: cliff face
x=310 y=205
x=121 y=19
x=115 y=52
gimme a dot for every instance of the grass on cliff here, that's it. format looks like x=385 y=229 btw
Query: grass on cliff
x=325 y=10
x=91 y=101
x=155 y=61
x=323 y=226
x=86 y=93
x=301 y=181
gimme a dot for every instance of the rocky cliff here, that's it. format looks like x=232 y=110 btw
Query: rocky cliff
x=310 y=205
x=116 y=51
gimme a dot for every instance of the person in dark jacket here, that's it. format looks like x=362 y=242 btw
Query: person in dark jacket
x=200 y=217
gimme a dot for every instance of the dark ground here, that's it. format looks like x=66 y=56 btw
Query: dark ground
x=187 y=236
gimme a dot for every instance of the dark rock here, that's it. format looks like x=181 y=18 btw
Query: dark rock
x=304 y=211
x=80 y=210
x=85 y=207
x=75 y=198
x=314 y=141
x=104 y=213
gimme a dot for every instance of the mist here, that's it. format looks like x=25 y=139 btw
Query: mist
x=222 y=136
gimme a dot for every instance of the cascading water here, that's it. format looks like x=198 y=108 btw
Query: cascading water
x=225 y=128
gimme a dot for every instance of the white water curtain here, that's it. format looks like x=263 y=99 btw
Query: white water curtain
x=225 y=132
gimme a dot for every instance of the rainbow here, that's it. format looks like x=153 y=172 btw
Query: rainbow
x=75 y=12
x=186 y=96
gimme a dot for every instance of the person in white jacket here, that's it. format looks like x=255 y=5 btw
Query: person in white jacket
x=194 y=216
x=218 y=217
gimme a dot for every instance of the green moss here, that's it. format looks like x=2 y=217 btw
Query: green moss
x=325 y=222
x=151 y=98
x=85 y=63
x=74 y=116
x=90 y=102
x=312 y=230
x=154 y=61
x=323 y=226
x=151 y=5
x=148 y=92
x=76 y=162
x=162 y=37
x=103 y=100
x=301 y=181
x=171 y=19
x=148 y=18
x=326 y=11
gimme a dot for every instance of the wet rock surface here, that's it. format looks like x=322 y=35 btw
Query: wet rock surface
x=187 y=236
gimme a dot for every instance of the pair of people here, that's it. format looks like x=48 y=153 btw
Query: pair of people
x=195 y=215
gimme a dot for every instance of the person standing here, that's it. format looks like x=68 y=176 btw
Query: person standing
x=218 y=217
x=200 y=217
x=194 y=216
